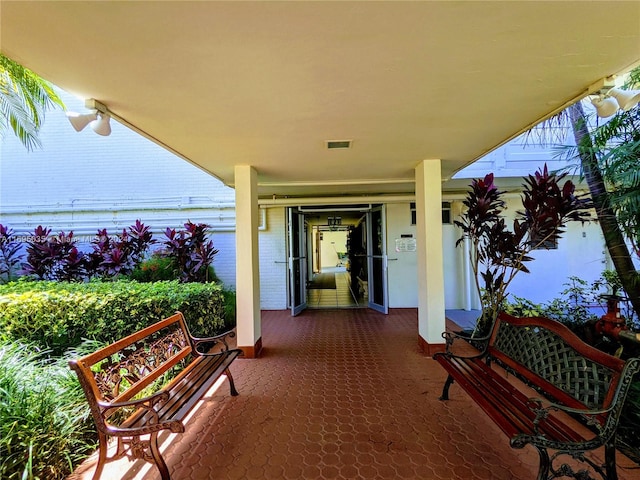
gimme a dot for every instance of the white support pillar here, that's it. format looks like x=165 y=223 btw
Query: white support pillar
x=431 y=319
x=466 y=265
x=249 y=328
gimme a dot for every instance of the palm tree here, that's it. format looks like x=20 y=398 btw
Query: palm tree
x=607 y=156
x=618 y=145
x=24 y=99
x=611 y=229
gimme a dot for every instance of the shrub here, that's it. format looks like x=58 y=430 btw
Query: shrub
x=573 y=307
x=58 y=315
x=155 y=269
x=119 y=255
x=45 y=424
x=229 y=309
x=191 y=250
x=497 y=254
x=9 y=254
x=54 y=257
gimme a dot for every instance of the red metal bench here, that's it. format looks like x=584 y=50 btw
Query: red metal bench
x=116 y=380
x=582 y=390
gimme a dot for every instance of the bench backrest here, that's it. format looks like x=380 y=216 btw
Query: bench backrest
x=556 y=361
x=123 y=369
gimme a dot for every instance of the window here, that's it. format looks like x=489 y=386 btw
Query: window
x=551 y=244
x=446 y=213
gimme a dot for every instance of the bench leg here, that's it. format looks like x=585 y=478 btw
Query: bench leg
x=445 y=389
x=543 y=472
x=610 y=459
x=157 y=458
x=102 y=455
x=232 y=386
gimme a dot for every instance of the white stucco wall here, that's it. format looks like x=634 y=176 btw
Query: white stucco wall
x=402 y=266
x=82 y=181
x=273 y=261
x=580 y=252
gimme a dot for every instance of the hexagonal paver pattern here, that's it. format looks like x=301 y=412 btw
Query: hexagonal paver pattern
x=342 y=394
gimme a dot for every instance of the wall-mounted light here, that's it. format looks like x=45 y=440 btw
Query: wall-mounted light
x=615 y=99
x=98 y=119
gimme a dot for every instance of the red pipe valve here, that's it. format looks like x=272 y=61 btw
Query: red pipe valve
x=611 y=323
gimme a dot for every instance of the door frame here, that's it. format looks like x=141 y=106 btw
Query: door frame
x=297 y=260
x=377 y=259
x=298 y=265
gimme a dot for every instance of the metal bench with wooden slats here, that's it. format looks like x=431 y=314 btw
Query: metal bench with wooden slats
x=117 y=379
x=583 y=391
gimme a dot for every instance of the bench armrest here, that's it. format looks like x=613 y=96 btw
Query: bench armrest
x=215 y=340
x=536 y=406
x=539 y=440
x=145 y=403
x=451 y=337
x=174 y=425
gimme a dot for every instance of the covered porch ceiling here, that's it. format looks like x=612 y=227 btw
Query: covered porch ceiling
x=267 y=84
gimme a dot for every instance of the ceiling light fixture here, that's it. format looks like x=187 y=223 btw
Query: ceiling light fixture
x=98 y=119
x=615 y=99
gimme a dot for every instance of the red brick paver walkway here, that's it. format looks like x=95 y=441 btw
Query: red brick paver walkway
x=339 y=395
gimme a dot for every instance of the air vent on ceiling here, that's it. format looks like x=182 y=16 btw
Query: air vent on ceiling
x=333 y=144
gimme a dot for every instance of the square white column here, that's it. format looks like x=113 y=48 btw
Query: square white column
x=431 y=317
x=249 y=328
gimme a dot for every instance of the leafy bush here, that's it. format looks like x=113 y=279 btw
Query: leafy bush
x=119 y=255
x=191 y=250
x=54 y=257
x=497 y=254
x=45 y=424
x=229 y=309
x=58 y=315
x=9 y=254
x=156 y=269
x=573 y=307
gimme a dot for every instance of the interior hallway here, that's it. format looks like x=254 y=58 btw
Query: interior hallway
x=339 y=394
x=341 y=296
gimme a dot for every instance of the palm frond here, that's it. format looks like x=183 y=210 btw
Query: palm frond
x=24 y=99
x=14 y=115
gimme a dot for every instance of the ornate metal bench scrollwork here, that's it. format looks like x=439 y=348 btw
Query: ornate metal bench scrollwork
x=575 y=382
x=116 y=381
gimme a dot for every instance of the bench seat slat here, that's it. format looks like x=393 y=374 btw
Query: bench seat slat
x=482 y=390
x=188 y=388
x=506 y=405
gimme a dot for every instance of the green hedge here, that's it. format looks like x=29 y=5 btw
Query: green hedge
x=57 y=315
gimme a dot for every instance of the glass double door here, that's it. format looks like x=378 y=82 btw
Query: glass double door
x=376 y=259
x=297 y=239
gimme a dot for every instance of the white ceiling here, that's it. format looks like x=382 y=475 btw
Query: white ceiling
x=268 y=83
